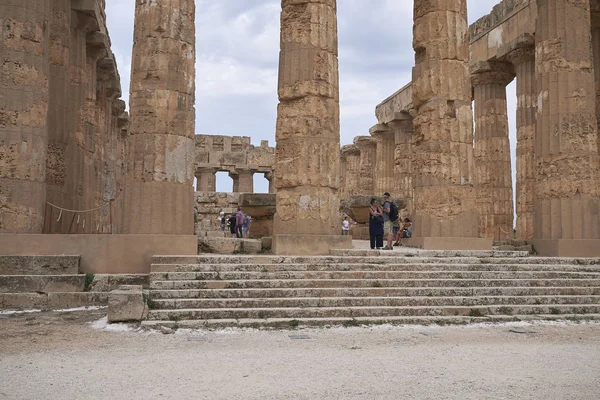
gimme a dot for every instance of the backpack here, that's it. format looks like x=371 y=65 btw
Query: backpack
x=393 y=212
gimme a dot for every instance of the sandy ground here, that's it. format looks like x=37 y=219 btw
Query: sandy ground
x=62 y=356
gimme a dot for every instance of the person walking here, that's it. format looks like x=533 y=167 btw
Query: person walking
x=375 y=225
x=239 y=223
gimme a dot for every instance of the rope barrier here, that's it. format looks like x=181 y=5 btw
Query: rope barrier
x=77 y=211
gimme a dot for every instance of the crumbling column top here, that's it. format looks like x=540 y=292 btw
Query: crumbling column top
x=485 y=72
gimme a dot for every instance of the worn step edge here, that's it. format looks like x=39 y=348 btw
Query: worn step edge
x=293 y=323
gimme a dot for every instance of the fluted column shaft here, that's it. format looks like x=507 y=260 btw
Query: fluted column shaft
x=384 y=170
x=160 y=170
x=444 y=195
x=24 y=47
x=566 y=150
x=307 y=171
x=403 y=161
x=524 y=61
x=206 y=180
x=351 y=170
x=493 y=172
x=368 y=156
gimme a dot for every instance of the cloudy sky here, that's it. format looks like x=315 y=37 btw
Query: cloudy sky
x=237 y=58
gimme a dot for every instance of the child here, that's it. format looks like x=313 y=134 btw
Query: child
x=345 y=227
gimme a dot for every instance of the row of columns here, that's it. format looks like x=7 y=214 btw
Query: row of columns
x=243 y=180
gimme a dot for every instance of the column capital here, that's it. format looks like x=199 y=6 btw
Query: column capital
x=382 y=132
x=486 y=72
x=350 y=150
x=521 y=55
x=365 y=142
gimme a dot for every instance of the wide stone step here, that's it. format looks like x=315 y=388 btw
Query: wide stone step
x=164 y=268
x=292 y=323
x=373 y=292
x=307 y=302
x=333 y=283
x=238 y=275
x=41 y=283
x=38 y=265
x=397 y=258
x=355 y=312
x=52 y=301
x=428 y=253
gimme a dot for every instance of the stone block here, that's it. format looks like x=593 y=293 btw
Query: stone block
x=126 y=304
x=449 y=243
x=38 y=265
x=309 y=244
x=267 y=242
x=221 y=245
x=110 y=282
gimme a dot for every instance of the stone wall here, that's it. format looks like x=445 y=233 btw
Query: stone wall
x=233 y=154
x=62 y=124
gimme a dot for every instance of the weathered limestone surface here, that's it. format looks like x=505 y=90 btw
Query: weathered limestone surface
x=444 y=195
x=24 y=48
x=368 y=156
x=567 y=198
x=403 y=127
x=493 y=174
x=308 y=139
x=160 y=171
x=126 y=304
x=524 y=61
x=595 y=21
x=350 y=161
x=385 y=181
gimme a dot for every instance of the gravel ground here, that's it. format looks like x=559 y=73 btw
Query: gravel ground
x=62 y=356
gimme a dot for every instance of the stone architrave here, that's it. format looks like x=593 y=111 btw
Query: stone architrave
x=493 y=172
x=443 y=177
x=567 y=189
x=24 y=46
x=160 y=170
x=307 y=170
x=524 y=61
x=384 y=166
x=368 y=156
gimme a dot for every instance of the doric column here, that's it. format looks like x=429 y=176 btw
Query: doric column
x=308 y=131
x=206 y=179
x=443 y=139
x=566 y=151
x=351 y=168
x=368 y=156
x=24 y=48
x=245 y=181
x=384 y=165
x=493 y=173
x=270 y=176
x=595 y=21
x=403 y=128
x=159 y=193
x=524 y=61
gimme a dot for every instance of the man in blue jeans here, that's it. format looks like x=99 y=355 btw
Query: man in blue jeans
x=239 y=223
x=388 y=225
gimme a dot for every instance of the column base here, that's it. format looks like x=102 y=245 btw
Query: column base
x=449 y=243
x=317 y=245
x=567 y=247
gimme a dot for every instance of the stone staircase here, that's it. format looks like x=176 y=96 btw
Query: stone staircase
x=45 y=282
x=363 y=287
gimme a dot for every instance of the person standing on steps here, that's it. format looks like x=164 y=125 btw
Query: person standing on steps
x=345 y=227
x=390 y=215
x=231 y=223
x=376 y=225
x=239 y=223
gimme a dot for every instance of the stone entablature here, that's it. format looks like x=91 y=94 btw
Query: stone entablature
x=233 y=154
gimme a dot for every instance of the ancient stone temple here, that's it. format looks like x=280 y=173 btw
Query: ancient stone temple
x=159 y=197
x=307 y=169
x=552 y=49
